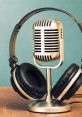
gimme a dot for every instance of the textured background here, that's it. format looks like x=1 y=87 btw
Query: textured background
x=11 y=11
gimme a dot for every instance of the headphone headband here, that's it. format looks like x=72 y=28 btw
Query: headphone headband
x=12 y=55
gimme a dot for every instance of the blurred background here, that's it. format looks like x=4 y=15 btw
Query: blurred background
x=11 y=11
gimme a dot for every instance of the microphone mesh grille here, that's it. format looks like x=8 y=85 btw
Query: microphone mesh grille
x=46 y=40
x=37 y=40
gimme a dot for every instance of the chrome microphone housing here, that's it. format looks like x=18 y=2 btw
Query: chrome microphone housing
x=48 y=47
x=48 y=40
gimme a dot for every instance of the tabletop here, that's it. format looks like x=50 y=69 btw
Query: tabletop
x=12 y=105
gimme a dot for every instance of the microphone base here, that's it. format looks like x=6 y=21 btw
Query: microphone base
x=48 y=107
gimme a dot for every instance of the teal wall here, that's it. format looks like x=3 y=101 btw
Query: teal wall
x=11 y=11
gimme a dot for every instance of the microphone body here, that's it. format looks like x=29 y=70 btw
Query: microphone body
x=48 y=46
x=48 y=35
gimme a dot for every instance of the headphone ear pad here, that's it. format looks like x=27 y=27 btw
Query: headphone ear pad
x=64 y=80
x=31 y=80
x=16 y=89
x=74 y=88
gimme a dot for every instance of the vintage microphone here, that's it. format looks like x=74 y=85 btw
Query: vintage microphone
x=48 y=46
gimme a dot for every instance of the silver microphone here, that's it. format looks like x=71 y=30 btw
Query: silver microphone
x=48 y=42
x=48 y=46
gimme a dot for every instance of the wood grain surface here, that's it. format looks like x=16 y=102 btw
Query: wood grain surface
x=12 y=105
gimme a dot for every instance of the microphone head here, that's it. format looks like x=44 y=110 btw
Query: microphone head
x=46 y=43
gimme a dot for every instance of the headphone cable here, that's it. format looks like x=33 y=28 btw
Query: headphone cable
x=76 y=102
x=77 y=96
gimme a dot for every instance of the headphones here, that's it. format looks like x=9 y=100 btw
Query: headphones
x=28 y=81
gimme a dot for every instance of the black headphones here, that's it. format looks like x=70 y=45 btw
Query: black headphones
x=29 y=82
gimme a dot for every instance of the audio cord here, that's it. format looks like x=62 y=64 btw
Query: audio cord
x=76 y=102
x=76 y=96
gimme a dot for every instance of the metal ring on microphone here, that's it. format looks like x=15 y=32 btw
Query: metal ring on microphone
x=24 y=19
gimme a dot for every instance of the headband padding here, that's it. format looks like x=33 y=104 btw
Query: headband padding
x=64 y=80
x=31 y=80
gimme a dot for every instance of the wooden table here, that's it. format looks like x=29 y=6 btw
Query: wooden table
x=12 y=105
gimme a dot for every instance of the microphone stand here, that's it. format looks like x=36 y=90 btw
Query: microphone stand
x=48 y=105
x=49 y=86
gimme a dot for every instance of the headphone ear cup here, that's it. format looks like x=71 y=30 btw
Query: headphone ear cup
x=74 y=88
x=31 y=81
x=64 y=80
x=16 y=89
